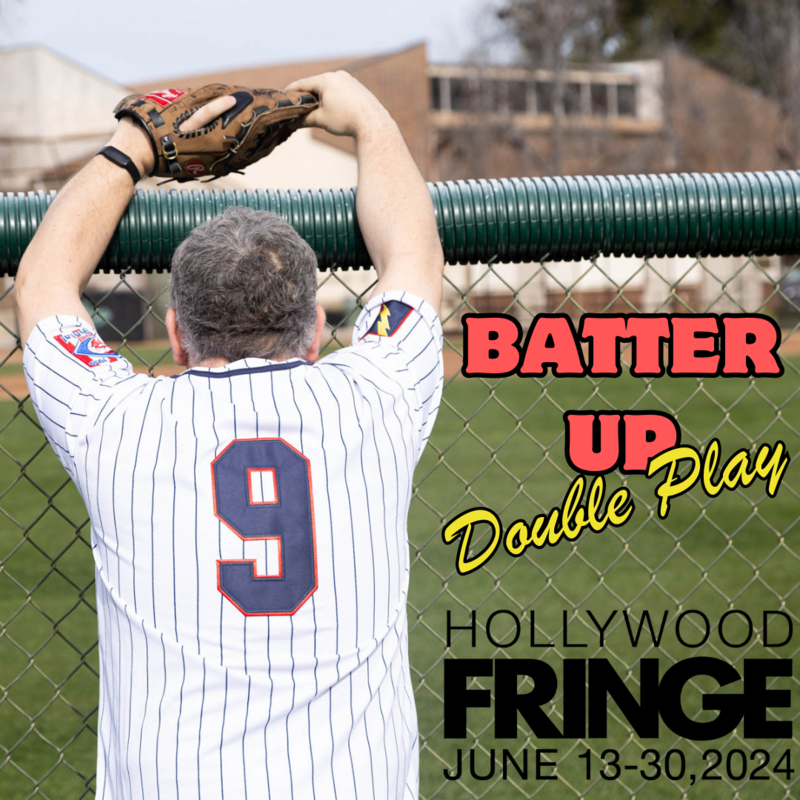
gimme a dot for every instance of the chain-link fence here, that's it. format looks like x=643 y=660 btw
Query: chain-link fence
x=500 y=444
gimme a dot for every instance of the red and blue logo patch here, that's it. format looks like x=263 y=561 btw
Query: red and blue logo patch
x=392 y=315
x=164 y=97
x=87 y=347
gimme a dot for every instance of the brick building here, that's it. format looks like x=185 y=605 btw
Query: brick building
x=668 y=115
x=673 y=114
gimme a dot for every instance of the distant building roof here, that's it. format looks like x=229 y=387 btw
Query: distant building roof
x=54 y=112
x=273 y=76
x=45 y=49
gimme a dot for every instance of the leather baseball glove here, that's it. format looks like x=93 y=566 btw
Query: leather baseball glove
x=260 y=121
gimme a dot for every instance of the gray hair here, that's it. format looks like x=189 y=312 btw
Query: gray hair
x=244 y=285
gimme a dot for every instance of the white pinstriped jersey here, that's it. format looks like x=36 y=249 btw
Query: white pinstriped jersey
x=251 y=553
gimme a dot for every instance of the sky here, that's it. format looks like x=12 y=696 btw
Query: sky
x=149 y=39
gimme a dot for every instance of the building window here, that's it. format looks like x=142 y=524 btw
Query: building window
x=544 y=97
x=572 y=98
x=460 y=94
x=597 y=98
x=517 y=97
x=626 y=100
x=599 y=93
x=436 y=93
x=488 y=95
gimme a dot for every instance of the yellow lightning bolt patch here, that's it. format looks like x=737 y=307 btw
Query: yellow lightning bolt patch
x=383 y=322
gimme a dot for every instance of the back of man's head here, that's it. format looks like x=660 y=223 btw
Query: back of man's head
x=244 y=285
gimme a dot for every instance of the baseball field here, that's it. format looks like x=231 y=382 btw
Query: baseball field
x=499 y=445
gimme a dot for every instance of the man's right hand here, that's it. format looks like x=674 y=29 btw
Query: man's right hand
x=346 y=106
x=394 y=207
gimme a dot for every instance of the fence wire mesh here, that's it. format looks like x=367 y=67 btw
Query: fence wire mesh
x=497 y=443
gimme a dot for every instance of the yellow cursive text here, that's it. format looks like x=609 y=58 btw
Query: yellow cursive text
x=769 y=464
x=568 y=520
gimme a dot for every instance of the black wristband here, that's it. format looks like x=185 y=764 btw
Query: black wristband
x=121 y=160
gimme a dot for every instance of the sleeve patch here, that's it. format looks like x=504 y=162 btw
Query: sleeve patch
x=392 y=315
x=87 y=347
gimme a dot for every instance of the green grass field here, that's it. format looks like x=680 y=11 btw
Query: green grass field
x=499 y=445
x=735 y=551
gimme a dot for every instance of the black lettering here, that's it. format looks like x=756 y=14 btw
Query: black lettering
x=680 y=619
x=508 y=700
x=543 y=764
x=446 y=772
x=574 y=698
x=788 y=619
x=507 y=757
x=489 y=628
x=566 y=628
x=749 y=628
x=533 y=633
x=730 y=706
x=760 y=698
x=605 y=684
x=645 y=618
x=473 y=771
x=458 y=698
x=602 y=628
x=471 y=627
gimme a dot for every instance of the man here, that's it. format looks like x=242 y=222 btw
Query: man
x=248 y=515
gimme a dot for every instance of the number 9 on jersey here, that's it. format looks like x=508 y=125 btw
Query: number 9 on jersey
x=281 y=509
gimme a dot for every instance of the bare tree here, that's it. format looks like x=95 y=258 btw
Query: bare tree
x=767 y=35
x=553 y=33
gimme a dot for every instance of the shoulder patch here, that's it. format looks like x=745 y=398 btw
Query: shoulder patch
x=392 y=315
x=87 y=347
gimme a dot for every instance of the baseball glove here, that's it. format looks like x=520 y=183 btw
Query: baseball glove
x=260 y=121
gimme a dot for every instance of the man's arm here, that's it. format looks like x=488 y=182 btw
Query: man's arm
x=394 y=207
x=75 y=232
x=78 y=226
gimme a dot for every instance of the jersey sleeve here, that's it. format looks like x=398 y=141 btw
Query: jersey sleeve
x=72 y=375
x=399 y=335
